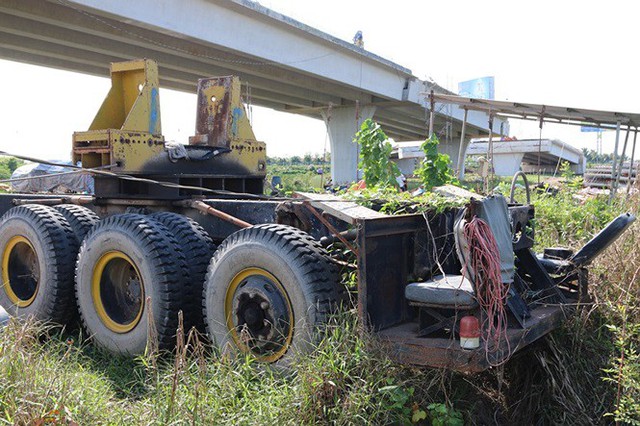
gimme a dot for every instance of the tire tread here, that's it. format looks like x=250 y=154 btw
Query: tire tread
x=320 y=275
x=199 y=246
x=60 y=243
x=81 y=219
x=164 y=254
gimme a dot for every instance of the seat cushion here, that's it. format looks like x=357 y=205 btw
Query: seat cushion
x=495 y=212
x=450 y=291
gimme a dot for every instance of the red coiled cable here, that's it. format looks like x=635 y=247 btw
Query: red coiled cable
x=491 y=292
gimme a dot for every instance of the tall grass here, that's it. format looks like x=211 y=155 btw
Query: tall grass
x=50 y=376
x=600 y=344
x=587 y=372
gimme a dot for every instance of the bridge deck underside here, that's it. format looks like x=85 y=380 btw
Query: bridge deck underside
x=60 y=35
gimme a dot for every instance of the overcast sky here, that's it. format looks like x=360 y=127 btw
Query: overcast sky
x=570 y=53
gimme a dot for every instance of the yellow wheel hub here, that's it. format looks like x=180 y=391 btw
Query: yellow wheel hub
x=117 y=291
x=259 y=314
x=20 y=271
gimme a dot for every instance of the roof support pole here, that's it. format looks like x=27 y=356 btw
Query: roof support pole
x=633 y=154
x=432 y=113
x=489 y=179
x=462 y=150
x=540 y=142
x=491 y=140
x=621 y=163
x=615 y=161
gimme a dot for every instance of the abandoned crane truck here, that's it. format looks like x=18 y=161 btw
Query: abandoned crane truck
x=187 y=228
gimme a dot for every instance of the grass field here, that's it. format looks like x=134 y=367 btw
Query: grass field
x=300 y=177
x=577 y=375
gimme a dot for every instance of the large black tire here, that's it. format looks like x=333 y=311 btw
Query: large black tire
x=246 y=268
x=198 y=247
x=37 y=252
x=81 y=219
x=124 y=261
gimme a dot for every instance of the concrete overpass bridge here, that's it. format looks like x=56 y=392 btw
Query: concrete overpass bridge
x=530 y=156
x=287 y=65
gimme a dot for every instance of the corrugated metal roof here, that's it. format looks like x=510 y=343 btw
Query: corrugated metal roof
x=549 y=113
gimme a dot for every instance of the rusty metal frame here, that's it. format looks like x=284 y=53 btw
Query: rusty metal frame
x=386 y=249
x=331 y=228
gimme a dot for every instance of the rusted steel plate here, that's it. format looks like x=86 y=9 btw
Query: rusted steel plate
x=406 y=348
x=347 y=211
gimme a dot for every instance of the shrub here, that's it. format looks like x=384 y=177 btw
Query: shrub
x=375 y=150
x=435 y=170
x=8 y=165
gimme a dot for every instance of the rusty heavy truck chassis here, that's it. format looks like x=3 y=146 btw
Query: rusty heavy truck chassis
x=392 y=251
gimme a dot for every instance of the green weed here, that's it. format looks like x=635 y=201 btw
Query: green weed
x=582 y=371
x=375 y=150
x=434 y=169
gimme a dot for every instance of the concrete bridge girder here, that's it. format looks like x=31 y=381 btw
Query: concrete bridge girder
x=289 y=66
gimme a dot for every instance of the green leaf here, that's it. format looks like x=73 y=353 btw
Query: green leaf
x=418 y=415
x=374 y=156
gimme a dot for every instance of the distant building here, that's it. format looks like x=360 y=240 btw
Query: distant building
x=480 y=88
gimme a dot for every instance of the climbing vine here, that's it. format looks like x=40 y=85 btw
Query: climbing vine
x=375 y=150
x=434 y=170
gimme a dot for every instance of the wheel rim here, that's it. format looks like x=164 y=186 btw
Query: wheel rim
x=259 y=315
x=20 y=271
x=117 y=291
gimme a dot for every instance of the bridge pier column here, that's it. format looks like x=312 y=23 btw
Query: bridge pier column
x=342 y=125
x=451 y=149
x=507 y=164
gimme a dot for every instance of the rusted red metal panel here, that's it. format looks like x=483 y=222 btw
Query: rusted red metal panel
x=212 y=116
